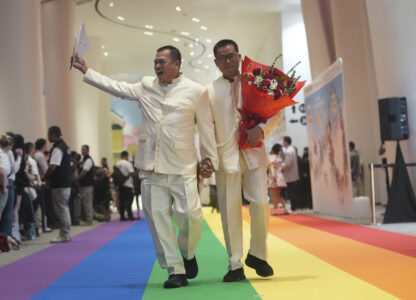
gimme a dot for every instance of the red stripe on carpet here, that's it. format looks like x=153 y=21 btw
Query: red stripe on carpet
x=400 y=243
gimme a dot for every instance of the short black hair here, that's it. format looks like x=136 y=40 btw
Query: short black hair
x=352 y=145
x=40 y=143
x=174 y=52
x=28 y=146
x=86 y=146
x=288 y=140
x=124 y=153
x=19 y=141
x=276 y=148
x=224 y=43
x=55 y=130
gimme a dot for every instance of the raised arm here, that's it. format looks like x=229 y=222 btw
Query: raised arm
x=116 y=88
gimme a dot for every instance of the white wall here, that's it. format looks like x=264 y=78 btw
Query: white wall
x=295 y=48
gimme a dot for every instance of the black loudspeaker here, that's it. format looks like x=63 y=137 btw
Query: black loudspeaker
x=394 y=124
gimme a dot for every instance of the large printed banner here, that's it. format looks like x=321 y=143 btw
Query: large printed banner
x=328 y=152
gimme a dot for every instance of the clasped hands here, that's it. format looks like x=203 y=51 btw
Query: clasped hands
x=206 y=168
x=254 y=135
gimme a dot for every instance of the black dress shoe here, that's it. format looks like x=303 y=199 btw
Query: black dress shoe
x=191 y=267
x=175 y=281
x=262 y=268
x=234 y=275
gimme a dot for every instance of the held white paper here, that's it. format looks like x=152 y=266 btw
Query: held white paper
x=81 y=43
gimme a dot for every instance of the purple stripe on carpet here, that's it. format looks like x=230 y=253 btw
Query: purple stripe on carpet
x=27 y=276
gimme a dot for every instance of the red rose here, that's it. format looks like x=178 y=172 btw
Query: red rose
x=265 y=82
x=269 y=76
x=256 y=72
x=277 y=94
x=263 y=89
x=250 y=78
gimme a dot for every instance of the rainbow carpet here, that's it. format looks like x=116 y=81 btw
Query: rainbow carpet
x=315 y=258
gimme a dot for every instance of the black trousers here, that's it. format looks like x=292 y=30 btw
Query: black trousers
x=125 y=201
x=293 y=195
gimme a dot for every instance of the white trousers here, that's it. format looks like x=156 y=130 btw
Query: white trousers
x=229 y=188
x=172 y=196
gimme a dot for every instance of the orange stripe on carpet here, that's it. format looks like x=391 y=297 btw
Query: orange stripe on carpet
x=400 y=243
x=389 y=271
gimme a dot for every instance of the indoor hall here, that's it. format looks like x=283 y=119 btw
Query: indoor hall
x=355 y=237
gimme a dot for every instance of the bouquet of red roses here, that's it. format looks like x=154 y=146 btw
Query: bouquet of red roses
x=265 y=91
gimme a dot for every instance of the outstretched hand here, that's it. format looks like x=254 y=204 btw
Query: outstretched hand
x=206 y=168
x=79 y=63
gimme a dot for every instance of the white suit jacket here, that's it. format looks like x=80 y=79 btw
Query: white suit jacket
x=169 y=114
x=227 y=119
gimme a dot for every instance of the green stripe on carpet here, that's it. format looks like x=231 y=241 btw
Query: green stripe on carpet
x=213 y=262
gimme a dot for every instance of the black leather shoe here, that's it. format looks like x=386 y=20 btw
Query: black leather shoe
x=175 y=281
x=191 y=267
x=262 y=268
x=234 y=275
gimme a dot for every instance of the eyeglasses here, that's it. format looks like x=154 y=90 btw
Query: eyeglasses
x=224 y=58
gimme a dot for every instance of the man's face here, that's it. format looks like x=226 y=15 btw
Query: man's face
x=166 y=69
x=52 y=138
x=84 y=151
x=228 y=61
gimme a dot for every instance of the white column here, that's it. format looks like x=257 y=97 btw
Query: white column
x=295 y=48
x=58 y=33
x=21 y=103
x=341 y=29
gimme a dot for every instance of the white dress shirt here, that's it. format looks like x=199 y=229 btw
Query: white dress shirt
x=224 y=109
x=169 y=114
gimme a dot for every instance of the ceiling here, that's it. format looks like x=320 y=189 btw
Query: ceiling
x=116 y=28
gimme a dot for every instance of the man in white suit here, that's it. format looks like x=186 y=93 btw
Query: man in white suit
x=239 y=169
x=171 y=105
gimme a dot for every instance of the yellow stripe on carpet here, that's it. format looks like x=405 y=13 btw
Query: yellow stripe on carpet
x=298 y=274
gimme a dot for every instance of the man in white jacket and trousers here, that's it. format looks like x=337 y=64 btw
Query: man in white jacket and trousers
x=239 y=169
x=171 y=105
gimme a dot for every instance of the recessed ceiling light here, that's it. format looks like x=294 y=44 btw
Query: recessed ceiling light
x=178 y=8
x=148 y=26
x=176 y=39
x=120 y=18
x=102 y=47
x=210 y=55
x=204 y=28
x=111 y=4
x=200 y=61
x=192 y=53
x=197 y=70
x=206 y=67
x=105 y=53
x=190 y=45
x=184 y=33
x=195 y=20
x=148 y=33
x=208 y=41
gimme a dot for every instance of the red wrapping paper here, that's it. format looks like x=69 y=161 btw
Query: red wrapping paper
x=257 y=105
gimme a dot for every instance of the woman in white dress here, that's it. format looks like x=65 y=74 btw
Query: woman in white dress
x=275 y=179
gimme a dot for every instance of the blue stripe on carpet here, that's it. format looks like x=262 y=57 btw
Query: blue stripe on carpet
x=118 y=270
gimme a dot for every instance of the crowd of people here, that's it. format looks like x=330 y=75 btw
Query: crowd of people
x=42 y=190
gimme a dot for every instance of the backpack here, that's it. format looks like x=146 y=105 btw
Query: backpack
x=118 y=177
